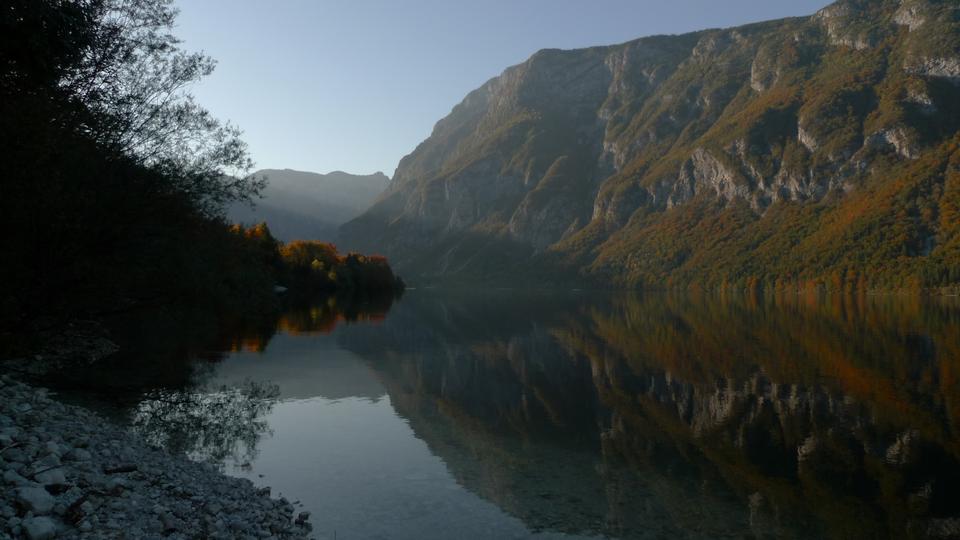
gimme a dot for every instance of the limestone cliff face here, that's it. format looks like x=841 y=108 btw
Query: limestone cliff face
x=568 y=152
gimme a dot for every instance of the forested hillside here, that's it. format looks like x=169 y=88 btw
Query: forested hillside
x=115 y=180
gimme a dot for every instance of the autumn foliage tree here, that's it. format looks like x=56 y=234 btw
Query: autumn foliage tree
x=318 y=265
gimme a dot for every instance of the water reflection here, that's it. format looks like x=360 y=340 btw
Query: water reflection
x=178 y=348
x=625 y=416
x=629 y=416
x=308 y=317
x=214 y=425
x=166 y=383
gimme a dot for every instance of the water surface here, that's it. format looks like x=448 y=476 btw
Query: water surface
x=502 y=414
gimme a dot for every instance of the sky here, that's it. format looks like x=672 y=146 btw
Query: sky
x=354 y=85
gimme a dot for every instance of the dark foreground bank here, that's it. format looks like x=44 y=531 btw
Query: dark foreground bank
x=68 y=473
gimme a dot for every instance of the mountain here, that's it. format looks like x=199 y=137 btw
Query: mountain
x=818 y=150
x=305 y=205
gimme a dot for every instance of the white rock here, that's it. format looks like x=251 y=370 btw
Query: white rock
x=35 y=499
x=49 y=460
x=944 y=67
x=53 y=476
x=909 y=16
x=16 y=455
x=39 y=528
x=78 y=454
x=11 y=477
x=806 y=138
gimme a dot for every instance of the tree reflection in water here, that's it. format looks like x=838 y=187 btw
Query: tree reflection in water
x=212 y=425
x=223 y=425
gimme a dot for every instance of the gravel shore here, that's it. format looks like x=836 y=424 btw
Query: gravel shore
x=67 y=473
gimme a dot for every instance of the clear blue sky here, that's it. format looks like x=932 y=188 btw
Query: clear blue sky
x=354 y=85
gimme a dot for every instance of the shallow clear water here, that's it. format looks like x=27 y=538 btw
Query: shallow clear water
x=337 y=445
x=501 y=414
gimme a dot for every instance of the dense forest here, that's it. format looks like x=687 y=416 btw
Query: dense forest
x=116 y=180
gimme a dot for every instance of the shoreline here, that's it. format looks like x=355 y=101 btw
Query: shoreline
x=69 y=473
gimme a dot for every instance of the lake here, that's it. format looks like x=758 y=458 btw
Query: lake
x=509 y=414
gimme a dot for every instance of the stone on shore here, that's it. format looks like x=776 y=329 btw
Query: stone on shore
x=39 y=528
x=35 y=499
x=67 y=473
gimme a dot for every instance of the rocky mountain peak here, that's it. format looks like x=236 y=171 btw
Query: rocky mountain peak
x=575 y=154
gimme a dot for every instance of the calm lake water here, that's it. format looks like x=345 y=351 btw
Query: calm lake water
x=502 y=414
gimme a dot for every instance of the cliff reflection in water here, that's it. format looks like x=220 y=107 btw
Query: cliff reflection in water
x=682 y=415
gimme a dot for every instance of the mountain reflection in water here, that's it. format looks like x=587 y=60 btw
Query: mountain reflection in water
x=634 y=416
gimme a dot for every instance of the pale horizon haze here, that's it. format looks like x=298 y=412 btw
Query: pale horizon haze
x=356 y=85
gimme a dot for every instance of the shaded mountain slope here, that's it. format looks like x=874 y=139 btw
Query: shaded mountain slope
x=810 y=150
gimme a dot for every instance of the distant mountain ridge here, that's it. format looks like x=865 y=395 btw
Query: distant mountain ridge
x=306 y=205
x=820 y=149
